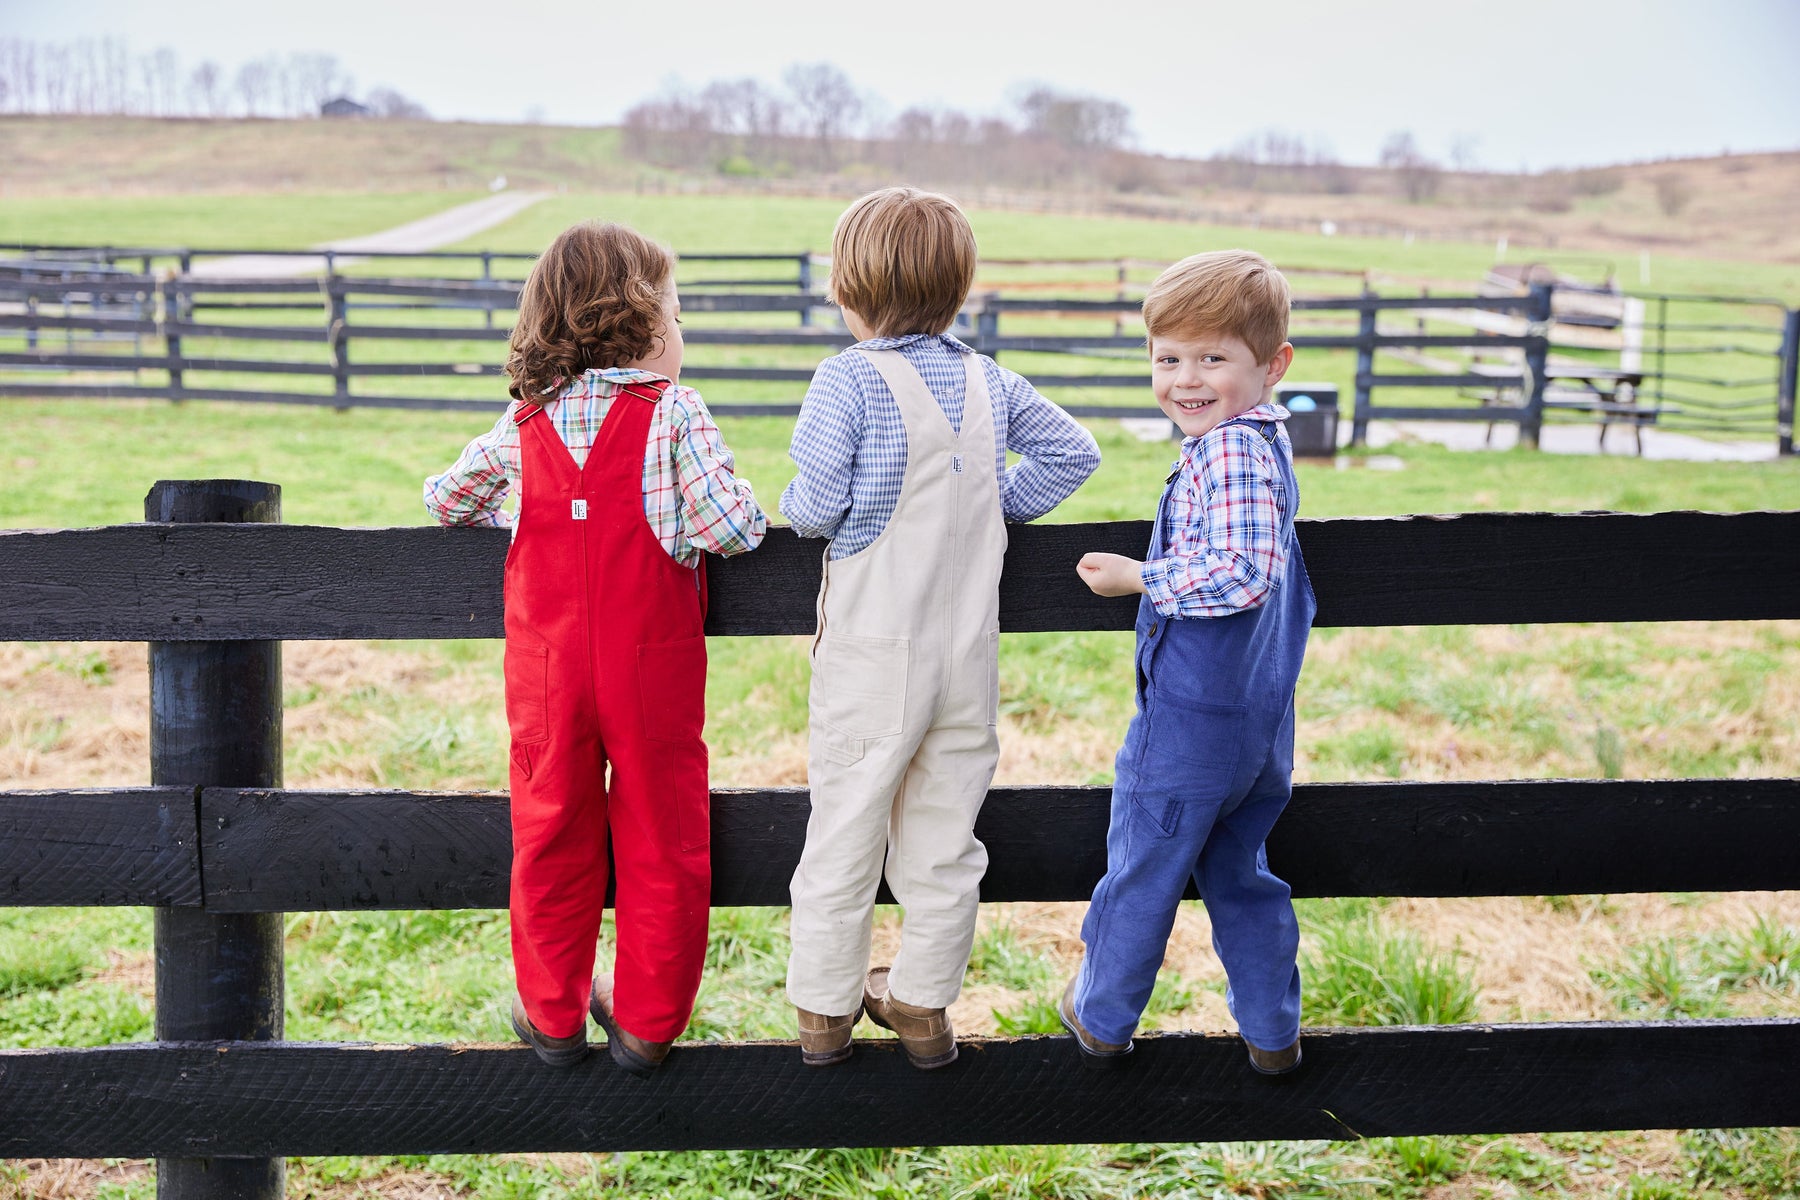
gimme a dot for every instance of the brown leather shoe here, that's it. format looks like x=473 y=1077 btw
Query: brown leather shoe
x=556 y=1051
x=925 y=1033
x=633 y=1054
x=1102 y=1056
x=825 y=1041
x=1274 y=1062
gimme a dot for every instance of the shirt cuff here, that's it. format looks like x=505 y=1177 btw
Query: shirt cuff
x=1159 y=588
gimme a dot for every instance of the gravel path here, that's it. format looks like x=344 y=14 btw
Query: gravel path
x=414 y=237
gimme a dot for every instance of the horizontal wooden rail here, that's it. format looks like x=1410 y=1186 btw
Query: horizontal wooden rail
x=296 y=582
x=122 y=846
x=275 y=1099
x=303 y=851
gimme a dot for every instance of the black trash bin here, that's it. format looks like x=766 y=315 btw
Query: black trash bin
x=1312 y=427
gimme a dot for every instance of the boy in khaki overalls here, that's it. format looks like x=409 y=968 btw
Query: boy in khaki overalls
x=901 y=449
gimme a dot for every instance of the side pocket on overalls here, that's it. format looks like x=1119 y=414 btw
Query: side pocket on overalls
x=1190 y=757
x=526 y=673
x=672 y=692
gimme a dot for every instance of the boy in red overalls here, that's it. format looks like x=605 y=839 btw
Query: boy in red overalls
x=622 y=480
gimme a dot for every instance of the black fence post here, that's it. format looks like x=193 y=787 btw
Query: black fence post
x=215 y=721
x=340 y=340
x=1537 y=355
x=805 y=284
x=1790 y=368
x=987 y=326
x=169 y=308
x=487 y=277
x=1365 y=366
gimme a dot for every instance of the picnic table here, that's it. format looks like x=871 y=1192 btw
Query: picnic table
x=1610 y=393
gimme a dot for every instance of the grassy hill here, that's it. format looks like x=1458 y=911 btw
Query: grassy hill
x=1737 y=206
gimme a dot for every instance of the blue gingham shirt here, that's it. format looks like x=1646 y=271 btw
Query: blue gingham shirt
x=1222 y=546
x=850 y=441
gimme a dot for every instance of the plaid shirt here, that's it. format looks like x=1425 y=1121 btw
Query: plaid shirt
x=1223 y=550
x=692 y=498
x=850 y=441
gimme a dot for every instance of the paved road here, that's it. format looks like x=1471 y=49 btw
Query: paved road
x=427 y=233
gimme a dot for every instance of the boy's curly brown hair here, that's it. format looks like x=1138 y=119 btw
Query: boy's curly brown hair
x=594 y=299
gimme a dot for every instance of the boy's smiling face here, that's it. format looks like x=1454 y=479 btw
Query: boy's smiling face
x=1203 y=380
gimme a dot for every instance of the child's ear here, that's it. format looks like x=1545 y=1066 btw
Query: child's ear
x=1278 y=366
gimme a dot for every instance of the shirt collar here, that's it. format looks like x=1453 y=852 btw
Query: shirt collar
x=627 y=374
x=894 y=343
x=1254 y=416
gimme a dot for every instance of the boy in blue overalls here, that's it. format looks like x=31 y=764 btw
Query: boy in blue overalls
x=1208 y=759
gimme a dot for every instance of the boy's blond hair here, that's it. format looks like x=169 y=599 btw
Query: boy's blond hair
x=1234 y=292
x=903 y=260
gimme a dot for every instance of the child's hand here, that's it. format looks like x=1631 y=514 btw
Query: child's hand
x=1111 y=574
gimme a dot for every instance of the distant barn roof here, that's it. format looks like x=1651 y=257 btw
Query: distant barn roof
x=344 y=106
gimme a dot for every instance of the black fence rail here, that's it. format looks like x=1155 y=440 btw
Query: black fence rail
x=220 y=849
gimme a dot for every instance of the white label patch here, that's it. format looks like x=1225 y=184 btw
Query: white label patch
x=578 y=509
x=956 y=463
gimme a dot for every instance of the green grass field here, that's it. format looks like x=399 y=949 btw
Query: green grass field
x=1633 y=701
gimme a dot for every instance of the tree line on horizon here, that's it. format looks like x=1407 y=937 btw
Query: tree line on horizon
x=817 y=121
x=101 y=77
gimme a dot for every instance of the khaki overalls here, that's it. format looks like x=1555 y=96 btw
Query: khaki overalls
x=905 y=693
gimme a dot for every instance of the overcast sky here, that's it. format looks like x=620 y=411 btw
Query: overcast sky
x=1525 y=84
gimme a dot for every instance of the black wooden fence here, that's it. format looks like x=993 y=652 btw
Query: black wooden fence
x=76 y=317
x=180 y=311
x=219 y=847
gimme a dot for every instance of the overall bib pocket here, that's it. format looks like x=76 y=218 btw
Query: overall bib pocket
x=672 y=693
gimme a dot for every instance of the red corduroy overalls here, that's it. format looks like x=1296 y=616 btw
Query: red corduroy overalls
x=605 y=665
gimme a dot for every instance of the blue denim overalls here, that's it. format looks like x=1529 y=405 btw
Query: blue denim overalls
x=1205 y=770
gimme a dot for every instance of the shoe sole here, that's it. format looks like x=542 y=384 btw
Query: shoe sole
x=1094 y=1060
x=826 y=1058
x=633 y=1064
x=555 y=1058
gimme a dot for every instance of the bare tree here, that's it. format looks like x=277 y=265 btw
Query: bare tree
x=206 y=87
x=1418 y=175
x=21 y=68
x=252 y=83
x=56 y=77
x=167 y=68
x=116 y=65
x=386 y=102
x=1463 y=149
x=830 y=105
x=1075 y=121
x=317 y=78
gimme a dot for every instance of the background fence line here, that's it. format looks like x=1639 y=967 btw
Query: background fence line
x=1702 y=374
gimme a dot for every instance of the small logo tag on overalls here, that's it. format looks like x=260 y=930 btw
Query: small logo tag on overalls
x=578 y=509
x=956 y=463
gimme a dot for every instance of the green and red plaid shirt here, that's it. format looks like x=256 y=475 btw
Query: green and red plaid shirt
x=693 y=498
